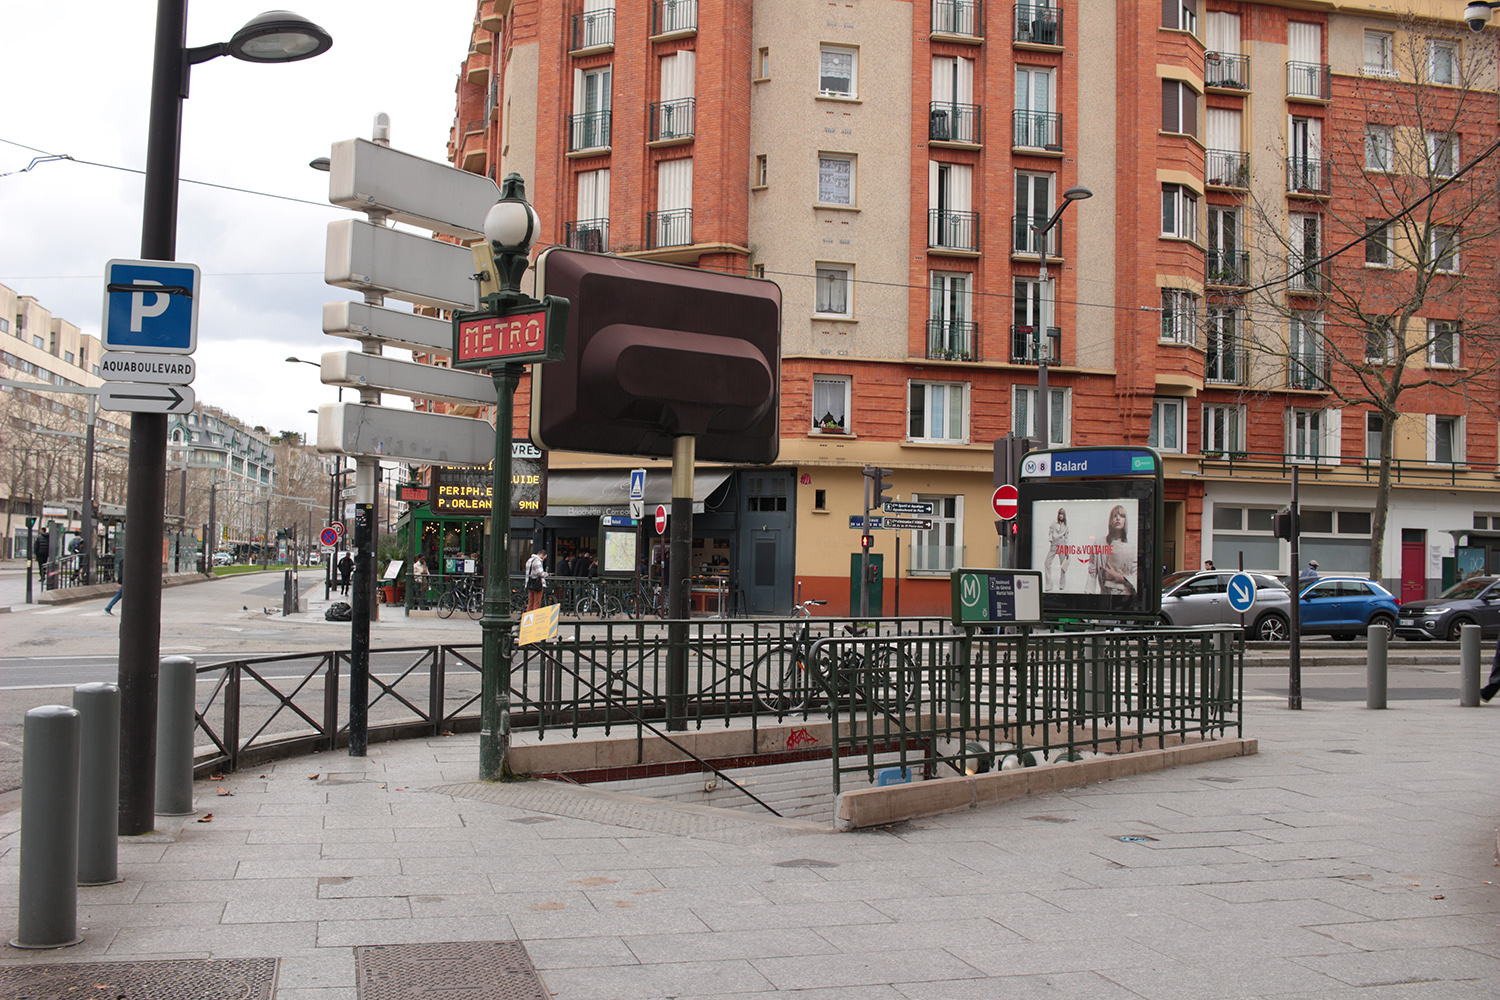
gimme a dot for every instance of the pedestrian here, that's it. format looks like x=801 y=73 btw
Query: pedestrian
x=536 y=578
x=1493 y=685
x=589 y=567
x=346 y=570
x=1208 y=565
x=120 y=579
x=1310 y=574
x=419 y=582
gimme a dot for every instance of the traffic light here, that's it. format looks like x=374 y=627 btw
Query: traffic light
x=878 y=487
x=866 y=541
x=1281 y=521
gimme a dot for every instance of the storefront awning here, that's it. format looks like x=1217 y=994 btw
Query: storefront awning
x=589 y=492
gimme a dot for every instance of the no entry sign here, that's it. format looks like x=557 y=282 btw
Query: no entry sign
x=1005 y=501
x=661 y=519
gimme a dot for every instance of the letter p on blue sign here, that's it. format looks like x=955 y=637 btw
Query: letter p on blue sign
x=151 y=306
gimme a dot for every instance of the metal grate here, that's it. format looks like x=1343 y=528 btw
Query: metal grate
x=471 y=970
x=213 y=979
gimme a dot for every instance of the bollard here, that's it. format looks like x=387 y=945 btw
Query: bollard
x=176 y=724
x=1377 y=650
x=98 y=706
x=1468 y=666
x=48 y=916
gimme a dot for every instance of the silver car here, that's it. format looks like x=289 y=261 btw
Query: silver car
x=1203 y=599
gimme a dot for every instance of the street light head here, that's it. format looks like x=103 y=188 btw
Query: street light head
x=512 y=223
x=1077 y=193
x=322 y=163
x=279 y=36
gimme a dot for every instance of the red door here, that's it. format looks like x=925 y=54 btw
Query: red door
x=1413 y=571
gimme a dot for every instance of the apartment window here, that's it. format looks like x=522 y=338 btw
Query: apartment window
x=1312 y=435
x=1442 y=62
x=1445 y=439
x=1442 y=343
x=830 y=403
x=4 y=326
x=1374 y=434
x=1380 y=341
x=1023 y=411
x=938 y=411
x=835 y=291
x=1307 y=248
x=763 y=64
x=1179 y=316
x=759 y=180
x=939 y=549
x=1223 y=360
x=1307 y=356
x=1223 y=429
x=837 y=69
x=1166 y=425
x=1179 y=108
x=1377 y=243
x=1442 y=153
x=1380 y=48
x=1180 y=15
x=835 y=179
x=1179 y=211
x=68 y=356
x=1380 y=148
x=38 y=342
x=1443 y=249
x=760 y=271
x=591 y=108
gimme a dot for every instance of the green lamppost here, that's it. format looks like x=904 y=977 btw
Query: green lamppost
x=511 y=330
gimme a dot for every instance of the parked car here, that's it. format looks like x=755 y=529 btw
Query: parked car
x=222 y=559
x=1345 y=606
x=1203 y=599
x=1475 y=601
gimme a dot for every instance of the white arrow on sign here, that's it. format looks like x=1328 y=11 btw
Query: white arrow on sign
x=404 y=435
x=158 y=369
x=359 y=321
x=371 y=258
x=140 y=397
x=406 y=378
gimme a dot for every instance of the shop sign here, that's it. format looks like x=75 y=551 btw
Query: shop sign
x=468 y=489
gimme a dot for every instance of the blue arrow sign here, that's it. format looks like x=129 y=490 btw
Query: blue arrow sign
x=1241 y=592
x=151 y=306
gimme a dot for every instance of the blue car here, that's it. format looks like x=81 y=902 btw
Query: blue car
x=1346 y=606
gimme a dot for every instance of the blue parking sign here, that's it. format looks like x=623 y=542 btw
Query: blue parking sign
x=151 y=306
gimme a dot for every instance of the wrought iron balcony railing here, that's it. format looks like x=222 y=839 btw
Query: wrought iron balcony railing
x=1307 y=370
x=589 y=130
x=1024 y=349
x=670 y=228
x=1307 y=276
x=951 y=230
x=1226 y=71
x=1310 y=80
x=593 y=27
x=1025 y=240
x=1036 y=130
x=1308 y=175
x=588 y=234
x=1227 y=268
x=1037 y=24
x=952 y=340
x=668 y=16
x=950 y=122
x=958 y=17
x=1226 y=365
x=1226 y=168
x=671 y=119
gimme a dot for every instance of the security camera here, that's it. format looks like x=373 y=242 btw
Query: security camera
x=1477 y=15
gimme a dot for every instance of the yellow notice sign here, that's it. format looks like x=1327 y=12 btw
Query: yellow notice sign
x=540 y=625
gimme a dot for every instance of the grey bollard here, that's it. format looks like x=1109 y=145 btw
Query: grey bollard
x=1468 y=666
x=48 y=916
x=98 y=706
x=1377 y=650
x=175 y=727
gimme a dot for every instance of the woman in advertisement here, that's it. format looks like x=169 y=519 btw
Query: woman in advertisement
x=1117 y=563
x=1057 y=548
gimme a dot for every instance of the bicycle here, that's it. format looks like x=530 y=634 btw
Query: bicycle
x=598 y=602
x=646 y=599
x=466 y=593
x=787 y=679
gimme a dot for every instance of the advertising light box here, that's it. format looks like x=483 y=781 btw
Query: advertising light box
x=1094 y=543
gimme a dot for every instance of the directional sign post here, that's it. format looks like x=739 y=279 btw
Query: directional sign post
x=141 y=397
x=1241 y=592
x=154 y=368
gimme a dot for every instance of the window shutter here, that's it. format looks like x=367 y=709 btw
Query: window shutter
x=1333 y=440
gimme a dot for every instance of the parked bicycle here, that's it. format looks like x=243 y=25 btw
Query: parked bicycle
x=788 y=678
x=646 y=599
x=598 y=602
x=465 y=592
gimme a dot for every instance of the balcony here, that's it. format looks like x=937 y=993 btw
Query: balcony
x=671 y=121
x=949 y=122
x=1038 y=25
x=1307 y=276
x=588 y=234
x=1025 y=240
x=1308 y=176
x=1226 y=365
x=961 y=19
x=1307 y=370
x=669 y=228
x=1226 y=168
x=1036 y=130
x=1226 y=71
x=593 y=29
x=1308 y=81
x=952 y=340
x=1024 y=347
x=1227 y=269
x=950 y=230
x=674 y=17
x=589 y=130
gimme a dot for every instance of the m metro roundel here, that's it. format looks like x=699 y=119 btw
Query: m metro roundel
x=1005 y=500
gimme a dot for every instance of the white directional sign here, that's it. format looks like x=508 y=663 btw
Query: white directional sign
x=359 y=321
x=406 y=378
x=404 y=435
x=142 y=397
x=151 y=306
x=161 y=369
x=637 y=509
x=363 y=175
x=405 y=266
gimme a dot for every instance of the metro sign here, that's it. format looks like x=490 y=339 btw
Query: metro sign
x=518 y=335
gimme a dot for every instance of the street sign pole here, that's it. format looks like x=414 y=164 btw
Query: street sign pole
x=495 y=625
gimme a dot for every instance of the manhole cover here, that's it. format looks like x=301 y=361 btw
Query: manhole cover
x=1050 y=819
x=806 y=863
x=213 y=979
x=1134 y=838
x=471 y=970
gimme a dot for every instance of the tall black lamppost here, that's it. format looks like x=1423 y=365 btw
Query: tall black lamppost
x=275 y=36
x=1045 y=306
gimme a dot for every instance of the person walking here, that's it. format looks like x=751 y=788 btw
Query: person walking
x=1492 y=686
x=536 y=578
x=120 y=577
x=346 y=570
x=1310 y=573
x=419 y=582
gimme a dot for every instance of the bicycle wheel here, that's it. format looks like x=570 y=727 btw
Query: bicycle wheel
x=612 y=606
x=587 y=606
x=894 y=678
x=447 y=603
x=782 y=681
x=475 y=606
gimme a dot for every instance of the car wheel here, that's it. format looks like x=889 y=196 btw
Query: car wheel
x=1272 y=628
x=1455 y=628
x=1386 y=620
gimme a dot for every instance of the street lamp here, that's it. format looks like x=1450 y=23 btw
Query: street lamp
x=276 y=36
x=300 y=361
x=1043 y=403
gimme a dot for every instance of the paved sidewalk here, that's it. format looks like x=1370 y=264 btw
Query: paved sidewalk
x=1352 y=858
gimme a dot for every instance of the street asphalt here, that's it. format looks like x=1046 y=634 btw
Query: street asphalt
x=1353 y=857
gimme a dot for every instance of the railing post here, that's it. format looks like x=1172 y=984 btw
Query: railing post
x=331 y=701
x=1376 y=651
x=436 y=682
x=176 y=724
x=1468 y=666
x=232 y=715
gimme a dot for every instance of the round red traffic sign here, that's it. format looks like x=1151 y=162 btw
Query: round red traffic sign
x=1005 y=501
x=661 y=519
x=328 y=537
x=338 y=527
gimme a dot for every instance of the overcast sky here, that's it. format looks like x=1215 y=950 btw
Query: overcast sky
x=76 y=81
